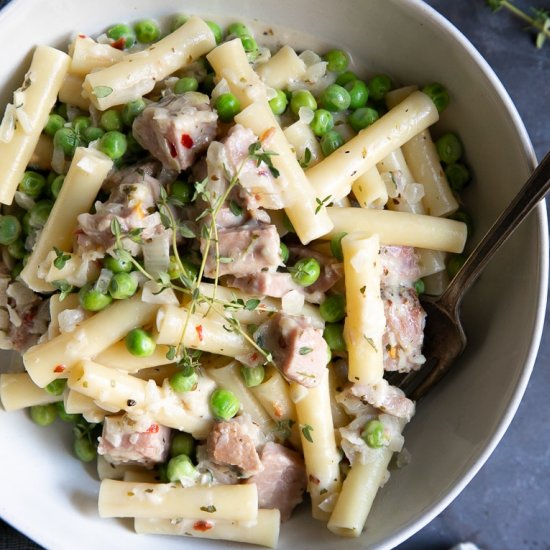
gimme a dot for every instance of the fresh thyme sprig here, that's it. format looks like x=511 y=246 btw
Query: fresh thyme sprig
x=540 y=21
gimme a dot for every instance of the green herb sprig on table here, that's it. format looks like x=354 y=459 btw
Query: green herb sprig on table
x=540 y=20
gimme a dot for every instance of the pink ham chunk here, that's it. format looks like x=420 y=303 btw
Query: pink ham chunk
x=298 y=349
x=123 y=441
x=283 y=480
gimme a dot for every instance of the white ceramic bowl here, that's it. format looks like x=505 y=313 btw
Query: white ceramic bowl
x=50 y=496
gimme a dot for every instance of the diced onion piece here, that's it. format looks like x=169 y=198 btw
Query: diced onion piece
x=293 y=302
x=7 y=128
x=413 y=193
x=156 y=254
x=305 y=115
x=103 y=281
x=68 y=319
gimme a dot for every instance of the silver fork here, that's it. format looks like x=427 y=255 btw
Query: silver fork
x=444 y=336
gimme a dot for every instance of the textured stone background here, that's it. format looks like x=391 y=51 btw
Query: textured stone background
x=507 y=505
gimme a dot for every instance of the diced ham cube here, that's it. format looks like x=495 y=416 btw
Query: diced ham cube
x=283 y=480
x=125 y=441
x=399 y=265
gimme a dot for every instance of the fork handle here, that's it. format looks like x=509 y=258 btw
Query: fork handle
x=528 y=197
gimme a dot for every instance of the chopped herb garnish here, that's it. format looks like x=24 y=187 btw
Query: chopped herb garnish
x=370 y=342
x=251 y=304
x=61 y=258
x=306 y=431
x=64 y=288
x=210 y=509
x=102 y=91
x=283 y=428
x=235 y=208
x=362 y=290
x=305 y=351
x=321 y=203
x=256 y=153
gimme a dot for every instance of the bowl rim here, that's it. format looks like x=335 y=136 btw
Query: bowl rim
x=415 y=525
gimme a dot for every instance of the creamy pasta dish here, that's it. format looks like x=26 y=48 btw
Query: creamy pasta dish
x=212 y=254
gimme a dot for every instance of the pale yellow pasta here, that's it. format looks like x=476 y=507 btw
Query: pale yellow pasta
x=78 y=403
x=370 y=190
x=136 y=74
x=119 y=390
x=126 y=499
x=34 y=99
x=264 y=531
x=282 y=68
x=430 y=261
x=53 y=359
x=117 y=356
x=307 y=215
x=71 y=92
x=108 y=470
x=230 y=62
x=230 y=378
x=80 y=187
x=18 y=391
x=301 y=137
x=395 y=165
x=158 y=374
x=334 y=175
x=365 y=321
x=87 y=55
x=401 y=228
x=202 y=333
x=76 y=271
x=358 y=492
x=321 y=455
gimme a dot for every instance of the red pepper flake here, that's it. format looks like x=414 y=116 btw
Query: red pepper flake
x=28 y=317
x=314 y=480
x=153 y=429
x=254 y=356
x=119 y=44
x=59 y=368
x=187 y=141
x=81 y=36
x=199 y=332
x=172 y=149
x=202 y=525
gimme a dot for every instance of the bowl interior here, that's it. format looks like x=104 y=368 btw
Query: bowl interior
x=457 y=426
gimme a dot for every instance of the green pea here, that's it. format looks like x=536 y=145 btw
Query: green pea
x=182 y=444
x=67 y=140
x=227 y=106
x=111 y=120
x=43 y=415
x=54 y=123
x=117 y=265
x=140 y=343
x=147 y=31
x=10 y=229
x=322 y=122
x=63 y=414
x=337 y=60
x=131 y=110
x=379 y=86
x=336 y=245
x=334 y=336
x=186 y=84
x=279 y=103
x=181 y=468
x=335 y=98
x=80 y=123
x=305 y=271
x=285 y=253
x=302 y=98
x=358 y=93
x=32 y=184
x=190 y=270
x=61 y=110
x=122 y=286
x=331 y=141
x=454 y=264
x=122 y=36
x=224 y=404
x=216 y=31
x=373 y=434
x=362 y=118
x=56 y=185
x=184 y=381
x=249 y=44
x=238 y=29
x=92 y=133
x=345 y=77
x=438 y=94
x=449 y=148
x=113 y=144
x=57 y=386
x=39 y=213
x=16 y=270
x=333 y=309
x=207 y=85
x=287 y=224
x=17 y=249
x=177 y=21
x=463 y=216
x=84 y=449
x=252 y=376
x=182 y=190
x=419 y=286
x=458 y=176
x=92 y=299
